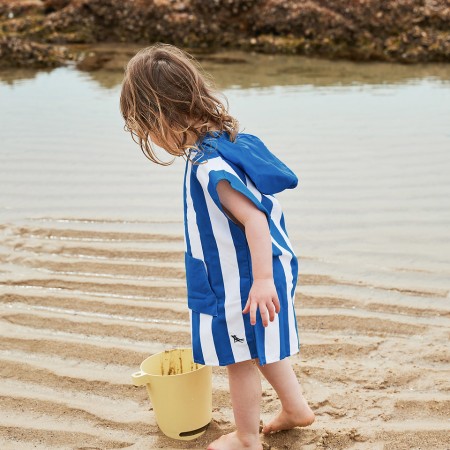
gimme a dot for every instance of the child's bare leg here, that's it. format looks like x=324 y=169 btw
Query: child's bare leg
x=245 y=390
x=295 y=411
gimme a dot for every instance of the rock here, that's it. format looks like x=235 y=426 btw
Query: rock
x=93 y=61
x=54 y=5
x=22 y=53
x=10 y=10
x=408 y=31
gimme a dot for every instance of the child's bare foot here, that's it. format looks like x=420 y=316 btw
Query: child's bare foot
x=285 y=421
x=232 y=441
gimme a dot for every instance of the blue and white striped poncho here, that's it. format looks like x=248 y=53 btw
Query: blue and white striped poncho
x=217 y=256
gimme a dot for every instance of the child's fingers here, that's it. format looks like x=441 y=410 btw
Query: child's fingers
x=271 y=308
x=253 y=308
x=247 y=307
x=267 y=311
x=276 y=302
x=264 y=315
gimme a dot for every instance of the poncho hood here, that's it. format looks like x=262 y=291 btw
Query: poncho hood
x=269 y=174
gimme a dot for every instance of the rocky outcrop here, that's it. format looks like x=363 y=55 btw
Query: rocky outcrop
x=404 y=30
x=393 y=30
x=23 y=53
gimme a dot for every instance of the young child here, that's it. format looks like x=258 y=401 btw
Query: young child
x=241 y=269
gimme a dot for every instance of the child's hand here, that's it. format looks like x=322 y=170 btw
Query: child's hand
x=262 y=295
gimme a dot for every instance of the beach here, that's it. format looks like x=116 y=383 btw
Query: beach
x=84 y=302
x=92 y=277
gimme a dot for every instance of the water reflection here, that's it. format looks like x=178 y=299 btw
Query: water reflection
x=235 y=69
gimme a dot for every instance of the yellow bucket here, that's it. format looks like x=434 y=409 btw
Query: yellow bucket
x=180 y=391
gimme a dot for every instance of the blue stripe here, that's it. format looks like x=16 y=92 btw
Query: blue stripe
x=244 y=261
x=281 y=282
x=186 y=233
x=196 y=343
x=212 y=260
x=294 y=271
x=283 y=224
x=239 y=172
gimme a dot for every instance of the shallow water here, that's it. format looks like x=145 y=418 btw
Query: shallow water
x=369 y=142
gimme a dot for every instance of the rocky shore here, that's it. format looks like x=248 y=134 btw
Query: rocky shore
x=46 y=33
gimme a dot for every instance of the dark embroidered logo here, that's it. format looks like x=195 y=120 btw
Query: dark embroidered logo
x=236 y=339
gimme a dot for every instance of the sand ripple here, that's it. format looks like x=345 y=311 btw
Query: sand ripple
x=83 y=302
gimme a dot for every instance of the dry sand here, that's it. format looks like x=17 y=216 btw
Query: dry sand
x=82 y=306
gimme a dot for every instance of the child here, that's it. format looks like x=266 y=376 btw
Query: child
x=241 y=270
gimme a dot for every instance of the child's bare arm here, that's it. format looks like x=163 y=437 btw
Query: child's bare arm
x=263 y=294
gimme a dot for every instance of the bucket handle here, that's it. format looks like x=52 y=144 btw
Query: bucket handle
x=140 y=378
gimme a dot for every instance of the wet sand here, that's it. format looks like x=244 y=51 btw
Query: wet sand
x=83 y=302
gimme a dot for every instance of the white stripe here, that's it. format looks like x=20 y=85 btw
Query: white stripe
x=272 y=340
x=286 y=263
x=278 y=222
x=285 y=260
x=194 y=234
x=228 y=260
x=206 y=336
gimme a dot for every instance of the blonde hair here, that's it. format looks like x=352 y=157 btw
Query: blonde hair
x=166 y=93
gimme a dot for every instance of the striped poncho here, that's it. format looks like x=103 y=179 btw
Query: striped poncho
x=217 y=255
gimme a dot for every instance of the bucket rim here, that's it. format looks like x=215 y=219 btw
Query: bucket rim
x=201 y=366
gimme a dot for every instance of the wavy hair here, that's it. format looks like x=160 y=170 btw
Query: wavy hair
x=167 y=96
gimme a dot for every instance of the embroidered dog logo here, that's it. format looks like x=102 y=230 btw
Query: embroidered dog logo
x=236 y=339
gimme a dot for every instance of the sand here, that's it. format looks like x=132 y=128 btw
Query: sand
x=84 y=302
